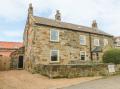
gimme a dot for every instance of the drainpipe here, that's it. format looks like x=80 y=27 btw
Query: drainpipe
x=90 y=43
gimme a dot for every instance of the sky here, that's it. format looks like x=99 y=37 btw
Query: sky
x=13 y=15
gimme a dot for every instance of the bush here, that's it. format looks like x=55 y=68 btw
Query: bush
x=112 y=56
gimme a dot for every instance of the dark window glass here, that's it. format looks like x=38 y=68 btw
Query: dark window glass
x=54 y=55
x=82 y=57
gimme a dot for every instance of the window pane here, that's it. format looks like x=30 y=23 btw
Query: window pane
x=96 y=42
x=82 y=55
x=82 y=39
x=54 y=35
x=54 y=56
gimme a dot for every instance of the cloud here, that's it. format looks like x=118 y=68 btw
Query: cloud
x=82 y=12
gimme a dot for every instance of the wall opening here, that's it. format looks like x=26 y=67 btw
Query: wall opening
x=20 y=62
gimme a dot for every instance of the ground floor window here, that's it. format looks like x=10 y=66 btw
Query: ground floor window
x=54 y=55
x=82 y=55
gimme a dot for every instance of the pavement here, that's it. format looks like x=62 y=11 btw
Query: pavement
x=104 y=83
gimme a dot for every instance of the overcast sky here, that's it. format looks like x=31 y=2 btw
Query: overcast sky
x=13 y=14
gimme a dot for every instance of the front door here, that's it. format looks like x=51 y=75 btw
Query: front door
x=20 y=62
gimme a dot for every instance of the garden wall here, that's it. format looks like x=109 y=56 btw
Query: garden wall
x=70 y=71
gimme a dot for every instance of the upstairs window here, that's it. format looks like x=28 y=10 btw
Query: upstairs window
x=118 y=42
x=96 y=42
x=82 y=40
x=82 y=55
x=54 y=55
x=105 y=42
x=54 y=35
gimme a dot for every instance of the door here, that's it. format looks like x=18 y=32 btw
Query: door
x=20 y=62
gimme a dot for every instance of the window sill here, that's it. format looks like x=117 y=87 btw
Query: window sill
x=83 y=44
x=54 y=41
x=53 y=62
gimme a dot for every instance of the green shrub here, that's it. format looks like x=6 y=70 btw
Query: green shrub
x=112 y=56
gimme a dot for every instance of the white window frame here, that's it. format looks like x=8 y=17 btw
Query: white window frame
x=118 y=42
x=98 y=42
x=84 y=39
x=50 y=35
x=57 y=56
x=85 y=55
x=106 y=42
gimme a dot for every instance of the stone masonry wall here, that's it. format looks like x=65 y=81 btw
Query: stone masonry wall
x=39 y=46
x=70 y=71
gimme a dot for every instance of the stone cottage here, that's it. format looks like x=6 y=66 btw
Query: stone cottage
x=49 y=41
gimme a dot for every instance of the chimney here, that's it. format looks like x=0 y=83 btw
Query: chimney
x=58 y=16
x=30 y=9
x=94 y=24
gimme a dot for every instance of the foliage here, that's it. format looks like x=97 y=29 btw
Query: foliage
x=112 y=56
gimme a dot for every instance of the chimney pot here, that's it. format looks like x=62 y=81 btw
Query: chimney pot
x=58 y=16
x=94 y=24
x=30 y=10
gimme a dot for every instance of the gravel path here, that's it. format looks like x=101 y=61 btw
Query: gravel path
x=20 y=79
x=108 y=83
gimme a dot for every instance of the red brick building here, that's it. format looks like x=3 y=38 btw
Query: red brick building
x=6 y=48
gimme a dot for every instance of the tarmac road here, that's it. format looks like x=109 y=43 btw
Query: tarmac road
x=107 y=83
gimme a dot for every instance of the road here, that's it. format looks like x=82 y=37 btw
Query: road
x=107 y=83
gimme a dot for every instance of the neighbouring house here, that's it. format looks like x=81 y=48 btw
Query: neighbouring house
x=6 y=48
x=49 y=41
x=117 y=42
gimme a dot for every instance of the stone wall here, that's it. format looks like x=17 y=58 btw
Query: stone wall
x=70 y=71
x=14 y=58
x=38 y=46
x=4 y=63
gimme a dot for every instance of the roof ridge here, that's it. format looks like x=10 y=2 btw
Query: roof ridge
x=66 y=25
x=62 y=22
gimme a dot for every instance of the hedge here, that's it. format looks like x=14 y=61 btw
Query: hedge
x=112 y=56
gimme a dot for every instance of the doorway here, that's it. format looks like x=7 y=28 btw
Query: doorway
x=20 y=62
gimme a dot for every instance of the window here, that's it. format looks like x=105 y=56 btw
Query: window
x=82 y=55
x=118 y=42
x=82 y=40
x=54 y=35
x=105 y=42
x=54 y=55
x=96 y=42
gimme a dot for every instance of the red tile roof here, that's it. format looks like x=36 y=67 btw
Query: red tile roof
x=10 y=45
x=6 y=48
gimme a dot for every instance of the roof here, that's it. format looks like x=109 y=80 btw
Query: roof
x=97 y=49
x=64 y=25
x=10 y=45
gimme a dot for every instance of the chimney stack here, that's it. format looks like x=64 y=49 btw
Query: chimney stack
x=58 y=16
x=94 y=24
x=30 y=9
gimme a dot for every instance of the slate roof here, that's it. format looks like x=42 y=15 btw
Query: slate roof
x=97 y=49
x=64 y=25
